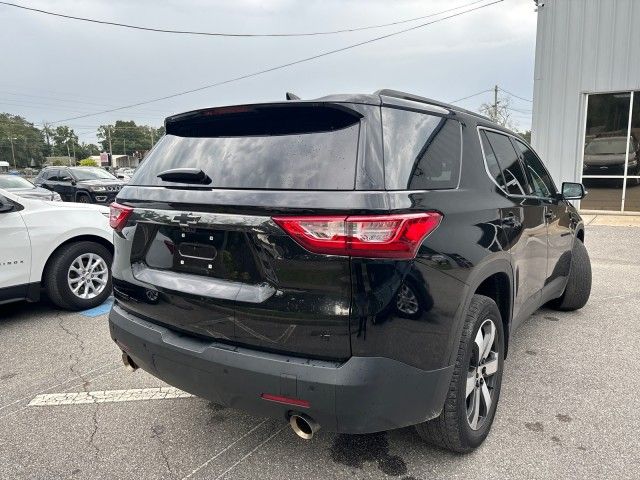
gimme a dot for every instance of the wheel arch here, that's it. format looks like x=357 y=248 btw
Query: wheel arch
x=495 y=280
x=497 y=286
x=82 y=192
x=80 y=238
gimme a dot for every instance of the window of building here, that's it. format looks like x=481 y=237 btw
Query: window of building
x=610 y=162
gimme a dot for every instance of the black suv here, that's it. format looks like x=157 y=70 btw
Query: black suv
x=356 y=262
x=80 y=184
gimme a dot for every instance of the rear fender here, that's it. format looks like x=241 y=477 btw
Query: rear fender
x=479 y=274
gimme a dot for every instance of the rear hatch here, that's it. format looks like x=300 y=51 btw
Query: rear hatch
x=201 y=252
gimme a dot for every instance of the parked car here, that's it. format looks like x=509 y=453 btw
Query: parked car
x=123 y=175
x=356 y=262
x=24 y=188
x=65 y=249
x=80 y=184
x=605 y=155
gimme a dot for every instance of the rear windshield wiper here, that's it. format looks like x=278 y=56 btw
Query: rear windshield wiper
x=185 y=175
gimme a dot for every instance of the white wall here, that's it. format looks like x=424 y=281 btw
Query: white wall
x=582 y=46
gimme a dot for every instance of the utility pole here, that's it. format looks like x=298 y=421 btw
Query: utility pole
x=124 y=146
x=73 y=145
x=68 y=153
x=13 y=152
x=110 y=151
x=495 y=103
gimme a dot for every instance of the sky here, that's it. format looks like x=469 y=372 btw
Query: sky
x=54 y=68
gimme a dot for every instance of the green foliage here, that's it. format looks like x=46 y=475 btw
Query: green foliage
x=526 y=135
x=29 y=146
x=88 y=162
x=127 y=138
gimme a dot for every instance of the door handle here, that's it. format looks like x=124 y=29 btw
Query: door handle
x=549 y=215
x=510 y=220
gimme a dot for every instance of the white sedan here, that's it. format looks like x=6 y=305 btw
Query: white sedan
x=64 y=248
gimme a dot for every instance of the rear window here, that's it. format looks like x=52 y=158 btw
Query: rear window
x=421 y=151
x=296 y=148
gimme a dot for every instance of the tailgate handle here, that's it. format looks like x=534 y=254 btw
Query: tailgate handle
x=185 y=175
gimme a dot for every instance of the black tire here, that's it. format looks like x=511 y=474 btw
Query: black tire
x=578 y=289
x=451 y=430
x=56 y=271
x=83 y=198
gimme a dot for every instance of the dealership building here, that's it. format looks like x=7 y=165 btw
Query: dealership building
x=586 y=110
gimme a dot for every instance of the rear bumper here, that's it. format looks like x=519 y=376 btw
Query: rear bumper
x=361 y=395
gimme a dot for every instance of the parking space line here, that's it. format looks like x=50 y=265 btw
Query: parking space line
x=250 y=453
x=47 y=389
x=196 y=470
x=108 y=396
x=99 y=310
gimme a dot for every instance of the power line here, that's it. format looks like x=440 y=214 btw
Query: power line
x=48 y=99
x=279 y=67
x=219 y=34
x=471 y=96
x=528 y=112
x=514 y=95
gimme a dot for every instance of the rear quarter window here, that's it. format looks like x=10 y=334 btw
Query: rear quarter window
x=421 y=151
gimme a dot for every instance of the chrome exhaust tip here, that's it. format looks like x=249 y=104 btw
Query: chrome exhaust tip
x=303 y=425
x=129 y=363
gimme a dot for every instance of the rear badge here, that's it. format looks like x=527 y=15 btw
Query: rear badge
x=187 y=221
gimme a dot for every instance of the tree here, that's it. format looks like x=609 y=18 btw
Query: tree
x=88 y=162
x=65 y=142
x=499 y=112
x=21 y=140
x=526 y=135
x=127 y=138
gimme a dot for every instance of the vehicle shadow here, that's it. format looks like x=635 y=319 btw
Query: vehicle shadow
x=23 y=311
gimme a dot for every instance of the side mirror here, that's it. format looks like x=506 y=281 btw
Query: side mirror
x=573 y=191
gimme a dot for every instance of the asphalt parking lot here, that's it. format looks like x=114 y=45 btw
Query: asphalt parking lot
x=569 y=404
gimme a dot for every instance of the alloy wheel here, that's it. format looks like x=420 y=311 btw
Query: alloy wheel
x=88 y=276
x=481 y=375
x=406 y=301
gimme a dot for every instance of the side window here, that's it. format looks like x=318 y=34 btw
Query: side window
x=64 y=175
x=541 y=181
x=421 y=151
x=509 y=161
x=491 y=161
x=52 y=175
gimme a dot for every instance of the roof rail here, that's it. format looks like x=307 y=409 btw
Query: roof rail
x=417 y=98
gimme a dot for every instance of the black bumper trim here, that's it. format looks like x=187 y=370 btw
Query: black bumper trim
x=361 y=395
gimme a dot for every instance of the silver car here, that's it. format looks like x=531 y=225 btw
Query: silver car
x=24 y=188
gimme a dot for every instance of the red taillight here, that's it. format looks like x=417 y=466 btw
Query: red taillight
x=118 y=216
x=372 y=236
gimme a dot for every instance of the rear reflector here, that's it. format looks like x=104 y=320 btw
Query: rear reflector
x=371 y=236
x=118 y=216
x=285 y=400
